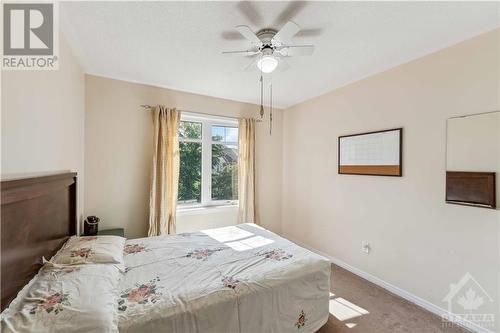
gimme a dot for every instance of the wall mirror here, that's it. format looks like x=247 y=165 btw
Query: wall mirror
x=473 y=160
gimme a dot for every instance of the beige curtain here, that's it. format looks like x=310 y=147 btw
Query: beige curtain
x=165 y=172
x=246 y=171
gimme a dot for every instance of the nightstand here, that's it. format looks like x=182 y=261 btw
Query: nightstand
x=114 y=232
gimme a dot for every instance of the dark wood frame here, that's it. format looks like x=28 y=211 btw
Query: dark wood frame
x=400 y=129
x=488 y=192
x=38 y=216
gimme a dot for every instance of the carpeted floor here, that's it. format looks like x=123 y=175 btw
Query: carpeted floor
x=367 y=308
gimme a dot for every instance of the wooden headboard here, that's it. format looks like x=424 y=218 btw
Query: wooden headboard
x=38 y=216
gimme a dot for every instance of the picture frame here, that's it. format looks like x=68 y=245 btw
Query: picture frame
x=376 y=153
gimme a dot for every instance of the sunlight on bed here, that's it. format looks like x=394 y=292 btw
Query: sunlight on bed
x=256 y=226
x=227 y=234
x=250 y=243
x=236 y=238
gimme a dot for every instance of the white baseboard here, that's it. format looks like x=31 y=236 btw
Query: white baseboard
x=468 y=325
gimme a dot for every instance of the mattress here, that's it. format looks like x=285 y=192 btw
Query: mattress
x=234 y=279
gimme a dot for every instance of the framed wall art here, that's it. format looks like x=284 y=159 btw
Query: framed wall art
x=376 y=153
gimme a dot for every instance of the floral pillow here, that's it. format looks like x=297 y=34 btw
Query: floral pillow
x=91 y=250
x=79 y=299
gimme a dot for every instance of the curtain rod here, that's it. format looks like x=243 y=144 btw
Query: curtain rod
x=149 y=107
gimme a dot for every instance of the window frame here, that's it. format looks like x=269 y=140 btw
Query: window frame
x=207 y=121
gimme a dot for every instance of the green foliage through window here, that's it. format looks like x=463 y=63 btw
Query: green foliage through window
x=190 y=130
x=224 y=172
x=190 y=163
x=224 y=163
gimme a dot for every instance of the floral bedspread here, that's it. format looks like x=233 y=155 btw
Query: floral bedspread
x=234 y=279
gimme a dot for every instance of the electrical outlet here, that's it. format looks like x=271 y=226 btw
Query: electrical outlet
x=366 y=247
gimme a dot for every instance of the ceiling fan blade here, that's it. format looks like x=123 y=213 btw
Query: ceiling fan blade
x=286 y=33
x=291 y=10
x=248 y=33
x=309 y=32
x=296 y=50
x=231 y=35
x=248 y=9
x=244 y=52
x=252 y=65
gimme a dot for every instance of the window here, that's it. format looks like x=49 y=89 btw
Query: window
x=224 y=163
x=208 y=174
x=190 y=146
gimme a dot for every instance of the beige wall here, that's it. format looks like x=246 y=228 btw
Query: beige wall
x=118 y=152
x=419 y=243
x=43 y=120
x=207 y=219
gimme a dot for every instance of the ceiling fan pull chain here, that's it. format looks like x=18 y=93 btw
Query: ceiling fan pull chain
x=271 y=108
x=261 y=97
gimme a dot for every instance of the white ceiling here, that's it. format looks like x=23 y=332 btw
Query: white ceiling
x=178 y=44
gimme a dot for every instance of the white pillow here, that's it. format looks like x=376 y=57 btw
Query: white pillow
x=91 y=250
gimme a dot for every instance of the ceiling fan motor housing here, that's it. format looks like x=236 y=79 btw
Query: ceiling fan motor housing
x=265 y=35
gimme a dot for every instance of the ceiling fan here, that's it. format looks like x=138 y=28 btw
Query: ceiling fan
x=269 y=47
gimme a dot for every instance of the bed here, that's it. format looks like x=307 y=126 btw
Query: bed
x=235 y=279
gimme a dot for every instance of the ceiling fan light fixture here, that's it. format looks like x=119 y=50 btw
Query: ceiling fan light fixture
x=267 y=64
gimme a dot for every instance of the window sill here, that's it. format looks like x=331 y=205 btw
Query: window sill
x=205 y=209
